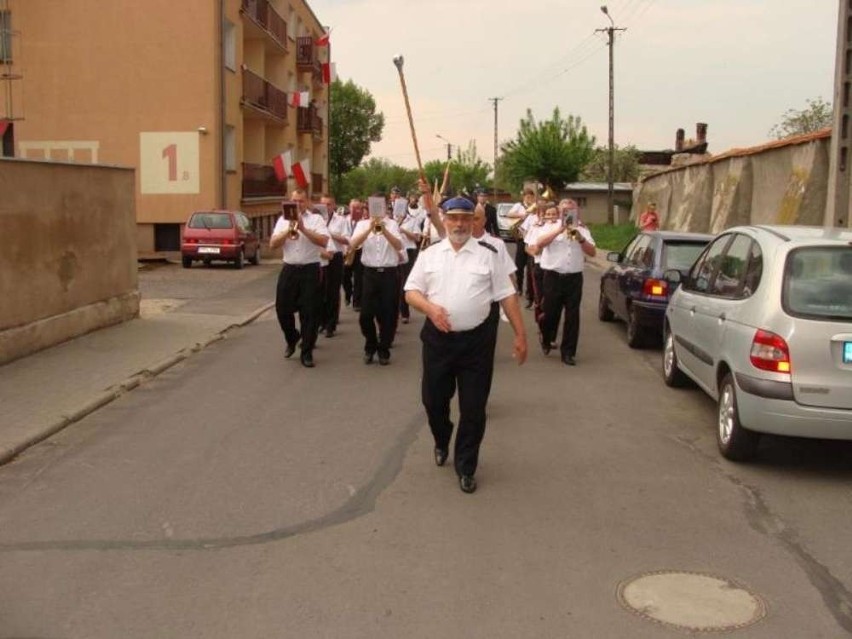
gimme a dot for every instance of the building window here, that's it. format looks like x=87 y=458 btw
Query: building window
x=230 y=148
x=581 y=202
x=5 y=36
x=230 y=45
x=291 y=23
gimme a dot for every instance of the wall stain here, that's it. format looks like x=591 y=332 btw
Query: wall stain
x=68 y=267
x=788 y=212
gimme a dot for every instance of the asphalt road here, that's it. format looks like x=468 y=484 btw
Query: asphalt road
x=241 y=495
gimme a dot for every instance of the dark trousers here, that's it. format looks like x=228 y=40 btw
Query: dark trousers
x=538 y=290
x=530 y=280
x=379 y=304
x=520 y=263
x=357 y=280
x=562 y=292
x=404 y=270
x=348 y=277
x=464 y=359
x=331 y=301
x=298 y=291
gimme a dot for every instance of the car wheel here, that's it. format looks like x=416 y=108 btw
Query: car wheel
x=672 y=375
x=186 y=261
x=241 y=259
x=255 y=259
x=605 y=313
x=735 y=442
x=634 y=330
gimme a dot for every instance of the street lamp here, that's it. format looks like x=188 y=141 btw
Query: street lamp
x=449 y=146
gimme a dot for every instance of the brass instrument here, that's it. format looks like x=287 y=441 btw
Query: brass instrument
x=290 y=213
x=378 y=227
x=572 y=233
x=349 y=259
x=547 y=194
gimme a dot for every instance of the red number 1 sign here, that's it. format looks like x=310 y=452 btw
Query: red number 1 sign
x=169 y=162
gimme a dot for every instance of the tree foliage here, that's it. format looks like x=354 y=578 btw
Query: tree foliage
x=376 y=175
x=354 y=125
x=552 y=152
x=818 y=114
x=625 y=166
x=467 y=170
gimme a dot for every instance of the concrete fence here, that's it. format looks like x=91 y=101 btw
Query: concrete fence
x=68 y=259
x=783 y=182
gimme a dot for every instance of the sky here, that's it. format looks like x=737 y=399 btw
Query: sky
x=737 y=65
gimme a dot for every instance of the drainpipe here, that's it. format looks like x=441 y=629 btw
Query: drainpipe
x=223 y=175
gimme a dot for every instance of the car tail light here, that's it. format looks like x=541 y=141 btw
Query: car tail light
x=189 y=240
x=655 y=288
x=769 y=352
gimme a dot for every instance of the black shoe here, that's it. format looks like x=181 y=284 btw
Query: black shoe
x=467 y=483
x=529 y=304
x=384 y=360
x=368 y=358
x=288 y=352
x=307 y=360
x=441 y=455
x=569 y=360
x=357 y=309
x=329 y=332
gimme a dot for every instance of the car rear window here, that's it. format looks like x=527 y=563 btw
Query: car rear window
x=682 y=255
x=210 y=221
x=818 y=283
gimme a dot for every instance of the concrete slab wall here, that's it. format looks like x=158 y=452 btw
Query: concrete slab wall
x=785 y=182
x=68 y=264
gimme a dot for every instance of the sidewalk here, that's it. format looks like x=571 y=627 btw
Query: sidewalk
x=45 y=392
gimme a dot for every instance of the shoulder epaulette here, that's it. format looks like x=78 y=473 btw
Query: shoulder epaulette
x=487 y=245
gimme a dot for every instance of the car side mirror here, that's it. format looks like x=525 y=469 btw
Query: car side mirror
x=674 y=277
x=613 y=256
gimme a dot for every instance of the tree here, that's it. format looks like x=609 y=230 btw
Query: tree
x=376 y=175
x=552 y=152
x=625 y=166
x=817 y=115
x=354 y=125
x=467 y=170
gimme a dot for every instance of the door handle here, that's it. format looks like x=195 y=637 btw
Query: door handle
x=723 y=317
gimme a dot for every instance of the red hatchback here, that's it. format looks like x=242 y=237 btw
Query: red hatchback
x=219 y=235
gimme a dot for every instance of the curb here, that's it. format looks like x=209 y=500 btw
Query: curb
x=9 y=453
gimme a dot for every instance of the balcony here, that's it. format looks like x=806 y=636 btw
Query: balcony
x=259 y=181
x=264 y=100
x=309 y=121
x=264 y=22
x=306 y=58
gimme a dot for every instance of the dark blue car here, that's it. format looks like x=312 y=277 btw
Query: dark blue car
x=633 y=289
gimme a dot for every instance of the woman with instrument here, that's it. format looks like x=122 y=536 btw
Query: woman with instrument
x=381 y=242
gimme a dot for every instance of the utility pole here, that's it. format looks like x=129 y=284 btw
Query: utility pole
x=495 y=101
x=449 y=147
x=610 y=31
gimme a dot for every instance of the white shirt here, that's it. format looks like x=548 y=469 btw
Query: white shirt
x=564 y=255
x=502 y=251
x=376 y=250
x=534 y=233
x=529 y=223
x=464 y=282
x=301 y=250
x=339 y=225
x=412 y=224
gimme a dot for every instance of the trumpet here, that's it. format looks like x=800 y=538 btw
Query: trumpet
x=572 y=233
x=294 y=232
x=378 y=227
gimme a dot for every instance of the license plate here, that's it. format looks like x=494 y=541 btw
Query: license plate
x=847 y=352
x=209 y=249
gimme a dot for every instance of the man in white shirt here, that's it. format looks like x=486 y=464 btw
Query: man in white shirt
x=518 y=213
x=411 y=230
x=380 y=242
x=298 y=287
x=339 y=231
x=563 y=251
x=454 y=283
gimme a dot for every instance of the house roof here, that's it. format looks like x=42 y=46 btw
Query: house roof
x=598 y=186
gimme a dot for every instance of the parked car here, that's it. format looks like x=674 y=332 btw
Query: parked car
x=634 y=290
x=219 y=235
x=505 y=224
x=763 y=324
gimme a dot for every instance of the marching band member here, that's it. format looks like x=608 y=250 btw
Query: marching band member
x=562 y=258
x=412 y=234
x=339 y=230
x=381 y=241
x=519 y=212
x=298 y=288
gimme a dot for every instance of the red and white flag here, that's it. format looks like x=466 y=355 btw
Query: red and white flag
x=283 y=165
x=323 y=40
x=300 y=99
x=301 y=171
x=329 y=72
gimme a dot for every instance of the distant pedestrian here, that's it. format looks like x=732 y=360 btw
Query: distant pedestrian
x=649 y=220
x=490 y=213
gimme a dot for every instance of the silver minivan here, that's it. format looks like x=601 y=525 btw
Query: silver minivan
x=763 y=324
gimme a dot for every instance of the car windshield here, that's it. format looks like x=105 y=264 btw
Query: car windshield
x=210 y=221
x=682 y=255
x=818 y=283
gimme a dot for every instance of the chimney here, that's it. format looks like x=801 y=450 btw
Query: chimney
x=701 y=132
x=679 y=140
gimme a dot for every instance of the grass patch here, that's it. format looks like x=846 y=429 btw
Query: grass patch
x=610 y=237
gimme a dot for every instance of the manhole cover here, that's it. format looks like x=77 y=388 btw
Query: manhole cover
x=691 y=601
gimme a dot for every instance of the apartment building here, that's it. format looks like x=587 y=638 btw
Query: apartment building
x=196 y=95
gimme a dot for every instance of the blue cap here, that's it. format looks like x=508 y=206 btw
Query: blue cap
x=458 y=205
